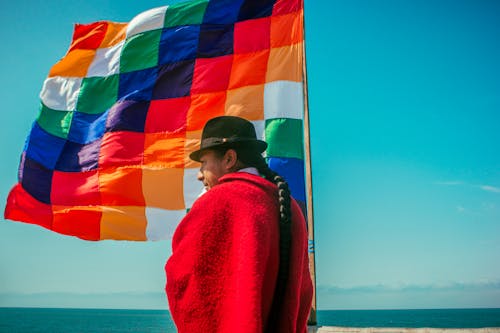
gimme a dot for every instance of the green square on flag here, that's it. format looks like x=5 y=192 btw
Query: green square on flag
x=285 y=138
x=55 y=122
x=97 y=94
x=140 y=51
x=186 y=13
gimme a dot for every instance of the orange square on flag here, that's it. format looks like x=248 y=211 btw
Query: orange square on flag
x=74 y=64
x=114 y=34
x=246 y=102
x=205 y=107
x=192 y=144
x=285 y=64
x=83 y=222
x=287 y=29
x=121 y=186
x=124 y=223
x=163 y=187
x=164 y=150
x=249 y=69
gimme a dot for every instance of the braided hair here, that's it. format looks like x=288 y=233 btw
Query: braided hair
x=251 y=158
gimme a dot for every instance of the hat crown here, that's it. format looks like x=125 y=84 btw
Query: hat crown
x=225 y=127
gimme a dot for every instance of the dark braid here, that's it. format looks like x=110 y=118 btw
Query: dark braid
x=250 y=158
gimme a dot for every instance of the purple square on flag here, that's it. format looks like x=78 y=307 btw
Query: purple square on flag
x=44 y=147
x=37 y=180
x=215 y=40
x=222 y=11
x=174 y=80
x=127 y=116
x=252 y=9
x=137 y=85
x=178 y=43
x=77 y=157
x=86 y=128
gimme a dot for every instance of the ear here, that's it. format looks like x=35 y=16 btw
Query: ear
x=230 y=158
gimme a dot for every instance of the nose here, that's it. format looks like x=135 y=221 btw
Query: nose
x=199 y=176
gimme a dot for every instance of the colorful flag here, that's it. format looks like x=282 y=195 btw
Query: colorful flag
x=107 y=157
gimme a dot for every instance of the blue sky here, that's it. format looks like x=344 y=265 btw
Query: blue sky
x=405 y=128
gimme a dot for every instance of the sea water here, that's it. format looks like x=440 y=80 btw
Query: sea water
x=17 y=320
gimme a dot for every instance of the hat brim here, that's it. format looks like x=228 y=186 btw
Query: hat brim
x=258 y=145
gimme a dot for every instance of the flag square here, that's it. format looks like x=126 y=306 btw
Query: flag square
x=137 y=85
x=152 y=19
x=252 y=9
x=74 y=64
x=97 y=94
x=249 y=69
x=121 y=146
x=76 y=157
x=287 y=6
x=161 y=188
x=284 y=99
x=164 y=150
x=162 y=223
x=246 y=102
x=140 y=51
x=287 y=29
x=56 y=123
x=127 y=115
x=124 y=222
x=86 y=128
x=185 y=13
x=215 y=40
x=88 y=36
x=204 y=107
x=67 y=222
x=192 y=186
x=106 y=61
x=167 y=115
x=222 y=11
x=192 y=143
x=179 y=43
x=211 y=74
x=43 y=147
x=252 y=35
x=115 y=33
x=75 y=188
x=22 y=206
x=285 y=138
x=285 y=63
x=37 y=180
x=174 y=80
x=121 y=186
x=59 y=93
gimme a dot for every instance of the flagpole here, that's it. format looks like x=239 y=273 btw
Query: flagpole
x=308 y=170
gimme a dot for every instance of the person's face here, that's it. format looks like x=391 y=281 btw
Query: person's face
x=213 y=166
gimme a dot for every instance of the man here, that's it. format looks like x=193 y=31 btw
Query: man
x=239 y=261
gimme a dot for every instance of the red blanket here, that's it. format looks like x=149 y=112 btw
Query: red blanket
x=222 y=272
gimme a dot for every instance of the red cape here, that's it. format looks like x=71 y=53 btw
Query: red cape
x=223 y=269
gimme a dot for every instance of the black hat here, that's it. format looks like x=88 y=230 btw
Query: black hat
x=228 y=131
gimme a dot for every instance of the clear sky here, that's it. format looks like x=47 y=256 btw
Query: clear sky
x=405 y=125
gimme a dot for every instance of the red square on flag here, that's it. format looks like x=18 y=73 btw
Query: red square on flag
x=84 y=223
x=251 y=35
x=117 y=147
x=75 y=188
x=211 y=74
x=167 y=115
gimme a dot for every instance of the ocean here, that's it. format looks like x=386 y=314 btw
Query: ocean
x=41 y=320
